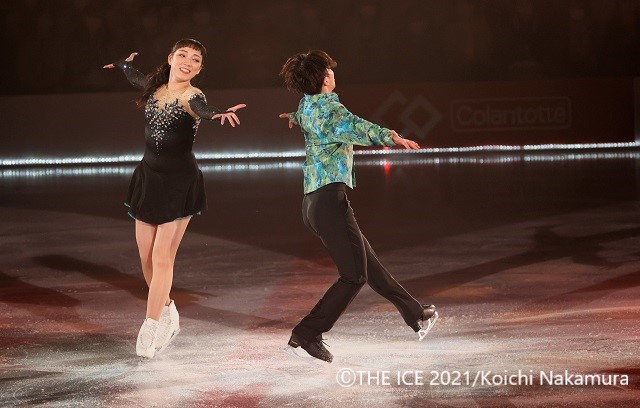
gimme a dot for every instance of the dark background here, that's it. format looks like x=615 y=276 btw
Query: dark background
x=59 y=46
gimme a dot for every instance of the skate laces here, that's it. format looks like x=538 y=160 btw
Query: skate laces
x=320 y=342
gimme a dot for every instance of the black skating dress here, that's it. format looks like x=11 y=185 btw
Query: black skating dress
x=167 y=184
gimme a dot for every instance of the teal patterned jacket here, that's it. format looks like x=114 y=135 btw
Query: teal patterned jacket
x=330 y=131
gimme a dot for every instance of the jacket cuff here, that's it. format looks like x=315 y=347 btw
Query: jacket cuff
x=387 y=139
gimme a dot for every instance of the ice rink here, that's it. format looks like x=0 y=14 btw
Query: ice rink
x=532 y=259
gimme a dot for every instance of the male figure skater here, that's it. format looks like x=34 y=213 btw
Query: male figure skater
x=330 y=131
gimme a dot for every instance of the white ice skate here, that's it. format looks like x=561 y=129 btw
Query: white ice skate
x=168 y=327
x=146 y=342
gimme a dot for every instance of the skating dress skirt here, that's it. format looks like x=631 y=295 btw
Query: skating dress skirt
x=167 y=184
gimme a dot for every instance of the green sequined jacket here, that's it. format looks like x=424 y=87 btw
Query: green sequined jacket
x=330 y=131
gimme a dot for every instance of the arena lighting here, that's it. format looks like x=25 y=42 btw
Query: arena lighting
x=63 y=161
x=125 y=170
x=227 y=167
x=40 y=172
x=502 y=148
x=498 y=159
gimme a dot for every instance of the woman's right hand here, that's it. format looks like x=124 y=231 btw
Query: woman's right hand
x=128 y=59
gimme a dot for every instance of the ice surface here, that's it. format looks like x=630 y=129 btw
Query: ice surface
x=555 y=292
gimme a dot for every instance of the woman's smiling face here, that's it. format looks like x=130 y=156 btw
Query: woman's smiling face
x=186 y=63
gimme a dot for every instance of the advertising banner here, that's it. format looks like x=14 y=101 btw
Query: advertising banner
x=501 y=113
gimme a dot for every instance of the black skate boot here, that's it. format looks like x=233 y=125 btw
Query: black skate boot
x=426 y=321
x=314 y=347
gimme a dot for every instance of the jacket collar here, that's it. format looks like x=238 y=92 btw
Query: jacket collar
x=331 y=96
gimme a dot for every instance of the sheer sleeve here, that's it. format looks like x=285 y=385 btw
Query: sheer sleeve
x=198 y=104
x=135 y=77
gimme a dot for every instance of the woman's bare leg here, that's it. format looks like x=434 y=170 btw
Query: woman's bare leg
x=165 y=246
x=145 y=236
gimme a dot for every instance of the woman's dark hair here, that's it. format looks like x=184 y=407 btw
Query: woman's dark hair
x=160 y=75
x=305 y=72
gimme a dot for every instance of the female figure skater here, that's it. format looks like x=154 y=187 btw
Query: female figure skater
x=167 y=189
x=330 y=131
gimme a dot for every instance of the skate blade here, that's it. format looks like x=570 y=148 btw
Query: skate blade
x=425 y=330
x=300 y=354
x=297 y=352
x=143 y=359
x=173 y=336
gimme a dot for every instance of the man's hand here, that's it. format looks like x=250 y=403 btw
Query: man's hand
x=406 y=143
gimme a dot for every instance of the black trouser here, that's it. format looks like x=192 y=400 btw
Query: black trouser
x=327 y=213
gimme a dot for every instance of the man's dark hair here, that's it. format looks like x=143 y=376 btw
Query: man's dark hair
x=305 y=72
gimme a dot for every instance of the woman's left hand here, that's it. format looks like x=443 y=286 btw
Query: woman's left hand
x=230 y=115
x=128 y=59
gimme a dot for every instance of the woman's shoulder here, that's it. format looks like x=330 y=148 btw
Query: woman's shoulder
x=192 y=95
x=193 y=92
